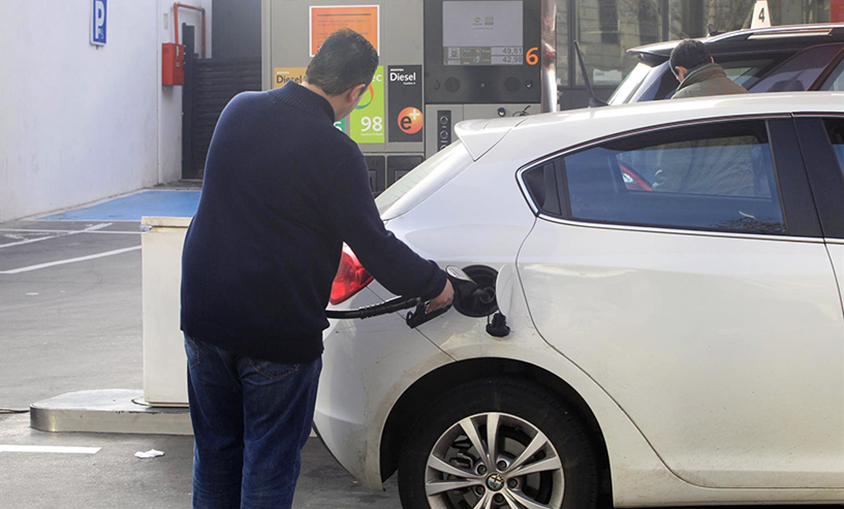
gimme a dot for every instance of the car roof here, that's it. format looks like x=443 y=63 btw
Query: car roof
x=551 y=132
x=778 y=38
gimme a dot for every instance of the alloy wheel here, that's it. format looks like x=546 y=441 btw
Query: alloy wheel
x=494 y=460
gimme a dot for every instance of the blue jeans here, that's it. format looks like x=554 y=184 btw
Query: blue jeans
x=251 y=419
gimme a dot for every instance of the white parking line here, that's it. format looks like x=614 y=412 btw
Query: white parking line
x=70 y=260
x=49 y=449
x=69 y=232
x=25 y=230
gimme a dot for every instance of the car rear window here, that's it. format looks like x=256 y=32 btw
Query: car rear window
x=630 y=84
x=422 y=181
x=744 y=71
x=747 y=72
x=800 y=72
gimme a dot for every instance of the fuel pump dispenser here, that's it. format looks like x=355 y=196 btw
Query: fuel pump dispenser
x=441 y=62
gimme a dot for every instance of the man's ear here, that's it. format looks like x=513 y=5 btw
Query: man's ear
x=356 y=92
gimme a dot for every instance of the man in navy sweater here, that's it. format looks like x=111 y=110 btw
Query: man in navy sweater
x=283 y=189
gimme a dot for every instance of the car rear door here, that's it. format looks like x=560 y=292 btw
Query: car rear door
x=707 y=308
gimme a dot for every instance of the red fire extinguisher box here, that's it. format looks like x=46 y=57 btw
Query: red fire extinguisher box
x=172 y=64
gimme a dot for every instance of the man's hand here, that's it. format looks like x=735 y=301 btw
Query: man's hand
x=442 y=300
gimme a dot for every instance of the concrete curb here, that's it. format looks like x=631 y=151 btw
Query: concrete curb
x=107 y=411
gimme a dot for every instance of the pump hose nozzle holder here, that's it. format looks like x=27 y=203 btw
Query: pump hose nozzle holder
x=386 y=307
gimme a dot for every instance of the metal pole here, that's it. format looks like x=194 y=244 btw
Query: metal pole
x=176 y=7
x=549 y=56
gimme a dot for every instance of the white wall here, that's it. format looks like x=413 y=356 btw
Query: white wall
x=80 y=123
x=77 y=123
x=170 y=105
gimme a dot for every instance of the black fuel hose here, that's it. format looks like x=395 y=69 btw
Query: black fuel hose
x=389 y=306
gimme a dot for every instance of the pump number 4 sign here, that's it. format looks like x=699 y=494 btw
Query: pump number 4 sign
x=761 y=15
x=366 y=123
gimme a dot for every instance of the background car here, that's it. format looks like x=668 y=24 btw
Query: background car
x=776 y=59
x=681 y=346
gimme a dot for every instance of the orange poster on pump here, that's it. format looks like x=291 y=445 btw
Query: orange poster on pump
x=363 y=19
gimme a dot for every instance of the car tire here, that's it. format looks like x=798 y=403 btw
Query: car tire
x=440 y=466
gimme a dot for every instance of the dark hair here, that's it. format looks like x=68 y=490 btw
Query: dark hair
x=689 y=54
x=344 y=60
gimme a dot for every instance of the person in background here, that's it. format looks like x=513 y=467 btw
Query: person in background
x=698 y=73
x=717 y=166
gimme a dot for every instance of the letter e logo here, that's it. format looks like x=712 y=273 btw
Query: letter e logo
x=410 y=120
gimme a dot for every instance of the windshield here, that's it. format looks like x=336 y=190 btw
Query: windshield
x=630 y=84
x=421 y=182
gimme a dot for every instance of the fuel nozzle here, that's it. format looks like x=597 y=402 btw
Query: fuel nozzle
x=464 y=285
x=466 y=290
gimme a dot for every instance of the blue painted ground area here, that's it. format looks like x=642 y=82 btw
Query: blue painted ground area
x=133 y=207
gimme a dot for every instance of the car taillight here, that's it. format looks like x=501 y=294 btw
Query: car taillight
x=350 y=279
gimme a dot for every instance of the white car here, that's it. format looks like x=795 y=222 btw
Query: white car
x=671 y=274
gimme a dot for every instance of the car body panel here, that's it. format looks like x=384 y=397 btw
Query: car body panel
x=836 y=254
x=725 y=322
x=479 y=136
x=481 y=216
x=367 y=365
x=781 y=37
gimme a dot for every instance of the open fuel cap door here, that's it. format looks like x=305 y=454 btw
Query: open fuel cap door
x=504 y=288
x=504 y=296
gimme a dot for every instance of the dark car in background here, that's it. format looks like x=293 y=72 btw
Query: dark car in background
x=775 y=59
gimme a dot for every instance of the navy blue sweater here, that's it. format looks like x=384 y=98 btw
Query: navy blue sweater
x=283 y=190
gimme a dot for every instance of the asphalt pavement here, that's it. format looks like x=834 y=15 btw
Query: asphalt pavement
x=70 y=320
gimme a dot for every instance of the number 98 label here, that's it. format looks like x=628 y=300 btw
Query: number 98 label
x=372 y=124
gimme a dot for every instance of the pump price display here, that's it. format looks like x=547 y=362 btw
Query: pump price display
x=483 y=32
x=495 y=55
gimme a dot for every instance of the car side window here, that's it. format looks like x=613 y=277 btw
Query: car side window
x=543 y=184
x=835 y=81
x=835 y=128
x=715 y=176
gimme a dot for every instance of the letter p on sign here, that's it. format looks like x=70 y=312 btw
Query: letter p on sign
x=98 y=22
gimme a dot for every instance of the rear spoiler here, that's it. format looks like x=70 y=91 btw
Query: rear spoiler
x=479 y=136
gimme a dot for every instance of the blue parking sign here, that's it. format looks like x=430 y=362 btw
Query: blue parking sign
x=98 y=22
